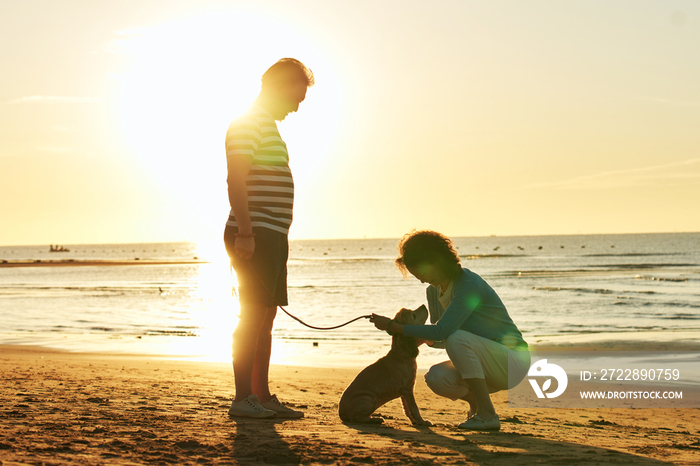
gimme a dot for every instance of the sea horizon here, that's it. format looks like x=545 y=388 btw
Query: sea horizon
x=294 y=239
x=179 y=303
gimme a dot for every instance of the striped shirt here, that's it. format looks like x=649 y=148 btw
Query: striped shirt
x=270 y=185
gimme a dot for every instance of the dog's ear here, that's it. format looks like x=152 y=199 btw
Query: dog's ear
x=421 y=315
x=399 y=317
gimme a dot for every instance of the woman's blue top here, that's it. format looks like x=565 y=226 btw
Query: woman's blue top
x=474 y=307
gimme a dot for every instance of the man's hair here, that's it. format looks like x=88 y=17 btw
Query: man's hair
x=288 y=70
x=431 y=247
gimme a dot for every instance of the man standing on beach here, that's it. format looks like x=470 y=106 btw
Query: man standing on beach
x=261 y=194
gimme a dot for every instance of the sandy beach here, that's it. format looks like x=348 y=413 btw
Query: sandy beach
x=73 y=408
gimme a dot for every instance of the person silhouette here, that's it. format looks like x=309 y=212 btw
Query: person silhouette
x=487 y=352
x=261 y=196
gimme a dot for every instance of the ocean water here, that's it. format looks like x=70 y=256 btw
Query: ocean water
x=183 y=305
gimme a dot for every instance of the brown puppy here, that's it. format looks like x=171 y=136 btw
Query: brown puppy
x=391 y=377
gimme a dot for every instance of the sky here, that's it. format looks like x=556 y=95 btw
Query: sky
x=471 y=118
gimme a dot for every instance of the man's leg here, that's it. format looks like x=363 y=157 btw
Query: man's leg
x=261 y=366
x=246 y=340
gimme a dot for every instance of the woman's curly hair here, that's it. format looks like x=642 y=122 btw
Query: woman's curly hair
x=419 y=247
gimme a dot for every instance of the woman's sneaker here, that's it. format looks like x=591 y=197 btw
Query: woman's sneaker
x=476 y=423
x=250 y=407
x=281 y=410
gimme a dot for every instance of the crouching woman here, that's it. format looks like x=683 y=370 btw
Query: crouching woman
x=487 y=352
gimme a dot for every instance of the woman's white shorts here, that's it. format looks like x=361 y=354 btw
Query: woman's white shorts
x=475 y=357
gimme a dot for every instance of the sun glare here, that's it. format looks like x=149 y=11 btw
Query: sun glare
x=187 y=80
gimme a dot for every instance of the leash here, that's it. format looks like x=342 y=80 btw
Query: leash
x=292 y=315
x=323 y=328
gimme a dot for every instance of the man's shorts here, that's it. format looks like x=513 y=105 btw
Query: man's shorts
x=262 y=279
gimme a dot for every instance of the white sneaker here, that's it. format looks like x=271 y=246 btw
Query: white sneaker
x=281 y=410
x=476 y=423
x=250 y=407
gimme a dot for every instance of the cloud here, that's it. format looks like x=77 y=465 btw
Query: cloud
x=658 y=175
x=43 y=99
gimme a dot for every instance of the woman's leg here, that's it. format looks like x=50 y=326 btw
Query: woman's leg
x=484 y=407
x=445 y=380
x=483 y=365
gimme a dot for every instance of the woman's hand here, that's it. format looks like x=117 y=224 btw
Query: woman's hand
x=427 y=342
x=381 y=322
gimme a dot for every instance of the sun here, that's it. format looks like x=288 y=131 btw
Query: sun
x=189 y=78
x=186 y=81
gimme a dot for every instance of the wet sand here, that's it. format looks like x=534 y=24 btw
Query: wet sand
x=63 y=408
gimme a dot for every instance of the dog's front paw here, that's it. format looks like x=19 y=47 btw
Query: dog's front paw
x=423 y=423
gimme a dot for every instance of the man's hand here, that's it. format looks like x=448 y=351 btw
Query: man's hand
x=427 y=342
x=381 y=322
x=244 y=247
